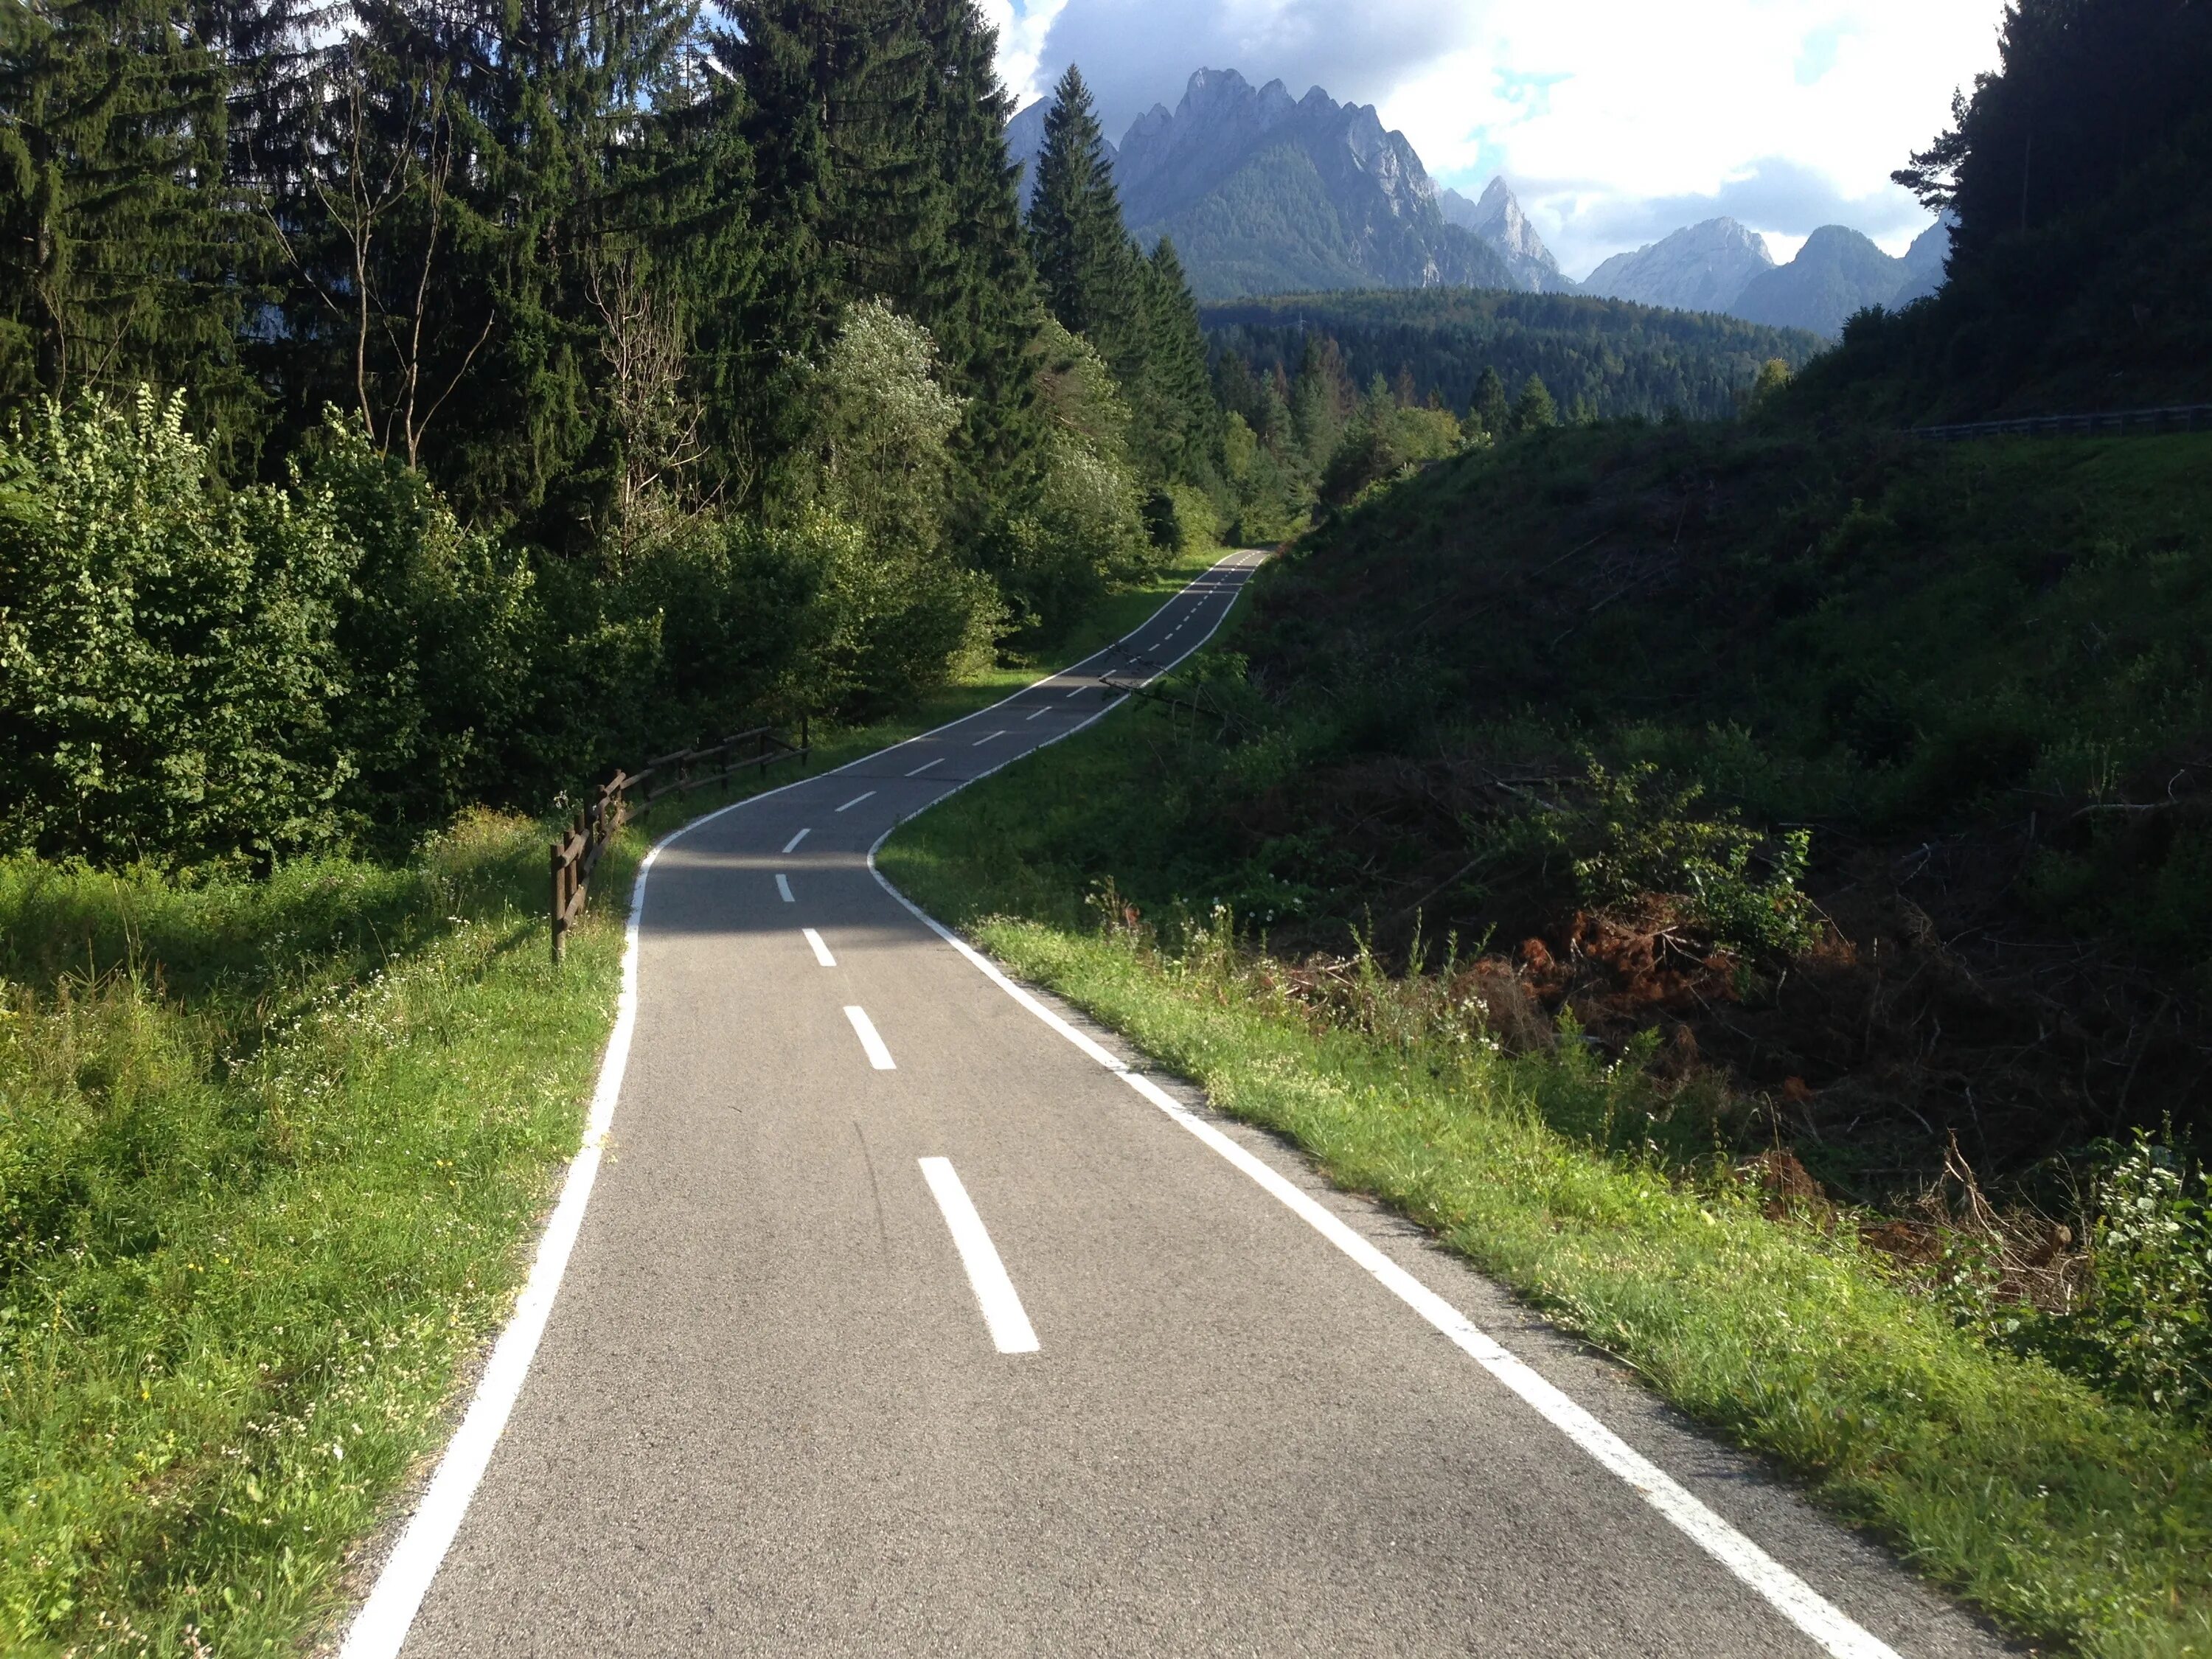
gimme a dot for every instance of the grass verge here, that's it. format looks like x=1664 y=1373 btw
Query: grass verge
x=2072 y=1520
x=271 y=1154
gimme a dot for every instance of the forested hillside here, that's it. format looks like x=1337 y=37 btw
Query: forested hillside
x=1331 y=394
x=1611 y=357
x=416 y=405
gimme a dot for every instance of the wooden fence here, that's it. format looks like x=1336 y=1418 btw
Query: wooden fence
x=2180 y=417
x=621 y=797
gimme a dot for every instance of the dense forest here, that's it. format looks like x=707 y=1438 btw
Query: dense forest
x=1607 y=355
x=425 y=404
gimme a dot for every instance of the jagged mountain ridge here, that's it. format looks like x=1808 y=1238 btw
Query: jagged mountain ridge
x=1718 y=265
x=1700 y=268
x=1265 y=193
x=1498 y=219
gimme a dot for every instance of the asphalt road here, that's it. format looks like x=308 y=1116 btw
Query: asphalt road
x=897 y=1323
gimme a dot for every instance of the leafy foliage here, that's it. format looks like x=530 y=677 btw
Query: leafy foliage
x=169 y=659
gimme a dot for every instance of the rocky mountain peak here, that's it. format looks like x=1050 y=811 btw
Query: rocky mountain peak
x=1702 y=267
x=1497 y=218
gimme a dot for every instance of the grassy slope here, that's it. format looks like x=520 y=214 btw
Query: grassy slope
x=271 y=1158
x=1979 y=673
x=2072 y=1520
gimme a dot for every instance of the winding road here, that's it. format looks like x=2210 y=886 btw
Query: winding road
x=900 y=1311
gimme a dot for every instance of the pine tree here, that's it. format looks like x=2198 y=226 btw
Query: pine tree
x=981 y=305
x=1087 y=267
x=1176 y=398
x=116 y=248
x=1321 y=399
x=848 y=205
x=1490 y=410
x=1534 y=411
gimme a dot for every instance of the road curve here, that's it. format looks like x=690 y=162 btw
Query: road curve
x=898 y=1323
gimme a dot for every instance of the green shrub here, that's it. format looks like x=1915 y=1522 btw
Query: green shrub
x=2148 y=1321
x=169 y=663
x=1634 y=834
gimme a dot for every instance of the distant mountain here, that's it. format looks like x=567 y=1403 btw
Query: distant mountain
x=1719 y=265
x=1498 y=219
x=1923 y=263
x=1701 y=268
x=1836 y=273
x=1264 y=193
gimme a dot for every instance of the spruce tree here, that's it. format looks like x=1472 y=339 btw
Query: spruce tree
x=981 y=304
x=1490 y=410
x=848 y=205
x=1087 y=267
x=116 y=248
x=1534 y=411
x=1178 y=394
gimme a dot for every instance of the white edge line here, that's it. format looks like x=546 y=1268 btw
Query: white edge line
x=864 y=1028
x=380 y=1627
x=1783 y=1590
x=821 y=950
x=1003 y=1315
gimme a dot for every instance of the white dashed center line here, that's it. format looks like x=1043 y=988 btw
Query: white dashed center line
x=783 y=887
x=879 y=1056
x=980 y=741
x=792 y=843
x=821 y=950
x=856 y=801
x=925 y=766
x=1009 y=1326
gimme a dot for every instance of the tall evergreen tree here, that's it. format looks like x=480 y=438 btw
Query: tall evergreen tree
x=1176 y=396
x=848 y=205
x=1088 y=268
x=982 y=305
x=1490 y=411
x=116 y=248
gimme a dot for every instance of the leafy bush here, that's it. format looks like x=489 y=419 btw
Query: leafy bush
x=2148 y=1322
x=169 y=659
x=883 y=426
x=1382 y=440
x=1634 y=834
x=1083 y=528
x=439 y=630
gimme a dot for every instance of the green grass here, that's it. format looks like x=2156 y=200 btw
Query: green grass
x=272 y=1157
x=2074 y=1520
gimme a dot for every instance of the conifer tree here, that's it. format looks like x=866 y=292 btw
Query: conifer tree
x=1490 y=410
x=1534 y=411
x=115 y=246
x=1088 y=268
x=982 y=304
x=1177 y=394
x=848 y=205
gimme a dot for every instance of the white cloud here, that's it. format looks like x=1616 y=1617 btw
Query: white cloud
x=1615 y=120
x=1023 y=25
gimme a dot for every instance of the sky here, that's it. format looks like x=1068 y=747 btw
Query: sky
x=1615 y=121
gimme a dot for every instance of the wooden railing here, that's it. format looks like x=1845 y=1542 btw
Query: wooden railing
x=621 y=797
x=2180 y=417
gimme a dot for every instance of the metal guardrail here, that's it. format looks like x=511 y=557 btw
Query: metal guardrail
x=577 y=854
x=2181 y=417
